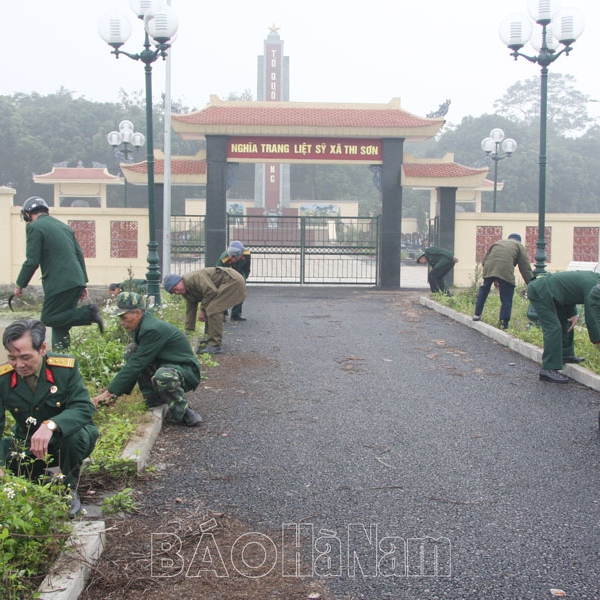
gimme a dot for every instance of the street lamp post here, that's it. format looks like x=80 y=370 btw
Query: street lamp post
x=160 y=25
x=125 y=142
x=491 y=146
x=557 y=27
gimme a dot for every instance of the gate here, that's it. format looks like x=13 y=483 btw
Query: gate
x=290 y=250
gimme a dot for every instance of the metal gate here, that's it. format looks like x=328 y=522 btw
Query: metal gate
x=292 y=250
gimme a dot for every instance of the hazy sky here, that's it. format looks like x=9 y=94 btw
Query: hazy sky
x=422 y=51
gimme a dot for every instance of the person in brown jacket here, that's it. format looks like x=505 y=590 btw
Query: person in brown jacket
x=216 y=289
x=499 y=265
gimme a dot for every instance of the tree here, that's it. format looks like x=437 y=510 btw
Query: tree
x=567 y=106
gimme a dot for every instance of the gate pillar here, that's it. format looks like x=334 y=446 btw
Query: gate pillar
x=391 y=213
x=447 y=212
x=216 y=198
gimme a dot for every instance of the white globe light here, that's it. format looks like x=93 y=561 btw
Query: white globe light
x=536 y=39
x=114 y=29
x=488 y=145
x=161 y=25
x=497 y=134
x=541 y=11
x=114 y=138
x=509 y=146
x=142 y=7
x=567 y=25
x=515 y=30
x=137 y=139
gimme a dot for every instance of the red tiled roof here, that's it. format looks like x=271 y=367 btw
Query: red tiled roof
x=441 y=169
x=78 y=174
x=179 y=166
x=283 y=116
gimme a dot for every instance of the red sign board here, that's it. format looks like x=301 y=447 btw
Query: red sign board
x=298 y=149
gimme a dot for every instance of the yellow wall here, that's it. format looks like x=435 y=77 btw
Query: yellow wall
x=102 y=270
x=561 y=238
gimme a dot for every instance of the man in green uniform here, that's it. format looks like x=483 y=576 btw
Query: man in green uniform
x=499 y=265
x=52 y=246
x=50 y=404
x=238 y=258
x=441 y=262
x=159 y=359
x=139 y=286
x=555 y=298
x=217 y=289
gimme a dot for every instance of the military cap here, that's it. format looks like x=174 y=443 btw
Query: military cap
x=127 y=301
x=420 y=256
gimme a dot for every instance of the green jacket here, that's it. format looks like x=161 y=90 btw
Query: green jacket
x=52 y=246
x=570 y=288
x=438 y=258
x=162 y=345
x=60 y=395
x=501 y=259
x=217 y=288
x=241 y=266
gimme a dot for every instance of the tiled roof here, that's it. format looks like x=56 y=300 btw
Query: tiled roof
x=78 y=174
x=284 y=116
x=441 y=169
x=222 y=117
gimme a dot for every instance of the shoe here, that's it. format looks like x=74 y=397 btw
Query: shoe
x=96 y=318
x=211 y=350
x=553 y=376
x=75 y=508
x=573 y=359
x=238 y=318
x=200 y=348
x=503 y=324
x=191 y=418
x=476 y=318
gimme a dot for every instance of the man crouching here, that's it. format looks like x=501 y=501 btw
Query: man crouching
x=51 y=406
x=159 y=359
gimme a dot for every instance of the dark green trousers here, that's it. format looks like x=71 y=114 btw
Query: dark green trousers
x=61 y=313
x=67 y=452
x=553 y=318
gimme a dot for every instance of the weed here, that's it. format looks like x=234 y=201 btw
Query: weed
x=122 y=501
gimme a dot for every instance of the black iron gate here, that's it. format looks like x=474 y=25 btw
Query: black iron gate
x=292 y=250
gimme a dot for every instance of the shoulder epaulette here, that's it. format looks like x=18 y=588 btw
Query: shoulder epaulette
x=6 y=368
x=61 y=361
x=247 y=252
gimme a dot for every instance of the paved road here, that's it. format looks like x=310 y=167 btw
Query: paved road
x=368 y=422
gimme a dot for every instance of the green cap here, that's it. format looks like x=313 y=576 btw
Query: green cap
x=420 y=256
x=127 y=301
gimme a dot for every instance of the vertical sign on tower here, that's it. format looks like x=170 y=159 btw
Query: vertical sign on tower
x=273 y=86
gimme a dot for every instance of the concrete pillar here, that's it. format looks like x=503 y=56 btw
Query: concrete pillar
x=7 y=195
x=216 y=197
x=391 y=213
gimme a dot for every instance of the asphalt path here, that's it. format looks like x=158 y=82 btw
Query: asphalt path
x=413 y=457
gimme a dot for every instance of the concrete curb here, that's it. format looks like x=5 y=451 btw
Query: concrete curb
x=575 y=372
x=72 y=568
x=139 y=447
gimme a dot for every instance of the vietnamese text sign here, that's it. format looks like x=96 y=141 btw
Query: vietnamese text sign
x=299 y=149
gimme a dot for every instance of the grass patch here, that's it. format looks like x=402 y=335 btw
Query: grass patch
x=520 y=326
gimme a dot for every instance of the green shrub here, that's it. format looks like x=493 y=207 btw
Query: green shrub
x=34 y=527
